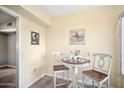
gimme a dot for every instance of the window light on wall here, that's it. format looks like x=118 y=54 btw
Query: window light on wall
x=122 y=45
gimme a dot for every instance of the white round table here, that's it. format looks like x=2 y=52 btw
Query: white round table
x=75 y=64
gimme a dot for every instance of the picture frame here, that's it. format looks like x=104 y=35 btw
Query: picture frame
x=77 y=37
x=34 y=38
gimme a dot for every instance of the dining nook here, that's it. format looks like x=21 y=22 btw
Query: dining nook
x=64 y=46
x=75 y=64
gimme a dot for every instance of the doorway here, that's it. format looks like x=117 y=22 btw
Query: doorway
x=8 y=50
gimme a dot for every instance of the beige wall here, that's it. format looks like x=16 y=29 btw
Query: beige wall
x=3 y=49
x=11 y=51
x=32 y=64
x=99 y=25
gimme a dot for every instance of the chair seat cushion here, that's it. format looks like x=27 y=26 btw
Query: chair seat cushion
x=60 y=67
x=98 y=76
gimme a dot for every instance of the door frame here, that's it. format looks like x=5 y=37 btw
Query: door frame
x=18 y=38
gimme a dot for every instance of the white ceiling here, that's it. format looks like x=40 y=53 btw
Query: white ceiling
x=5 y=17
x=59 y=10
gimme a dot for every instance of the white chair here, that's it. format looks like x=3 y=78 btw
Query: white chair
x=101 y=69
x=60 y=69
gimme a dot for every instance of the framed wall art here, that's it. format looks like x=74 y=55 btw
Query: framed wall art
x=34 y=38
x=77 y=37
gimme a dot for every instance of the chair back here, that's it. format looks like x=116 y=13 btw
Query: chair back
x=102 y=62
x=58 y=56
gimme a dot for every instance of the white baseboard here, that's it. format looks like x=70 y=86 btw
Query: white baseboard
x=35 y=81
x=11 y=66
x=8 y=66
x=2 y=65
